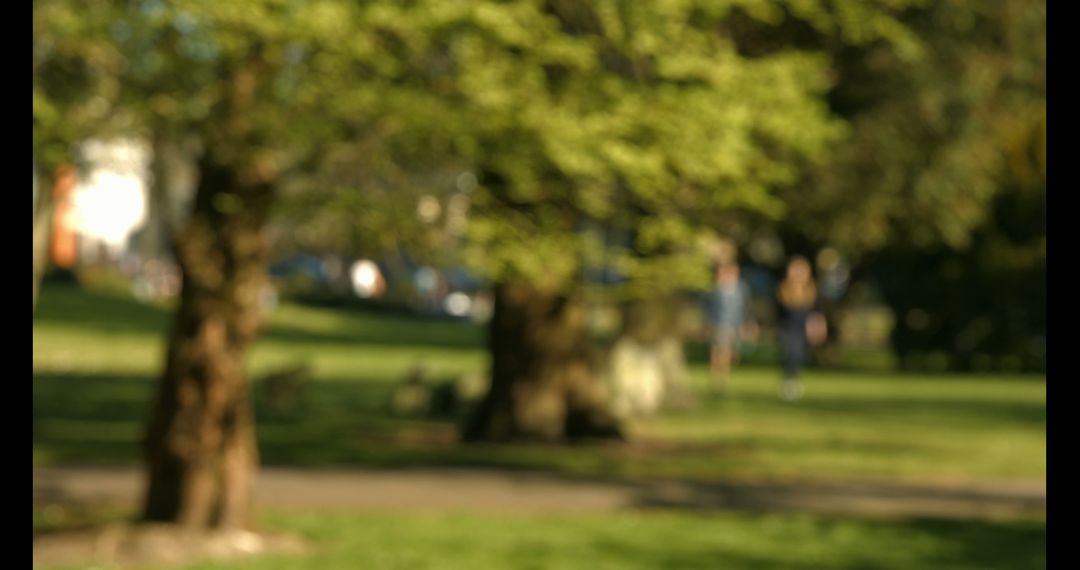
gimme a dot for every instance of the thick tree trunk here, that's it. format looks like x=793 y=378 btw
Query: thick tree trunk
x=543 y=386
x=200 y=445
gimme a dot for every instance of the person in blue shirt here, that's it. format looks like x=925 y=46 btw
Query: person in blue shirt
x=729 y=319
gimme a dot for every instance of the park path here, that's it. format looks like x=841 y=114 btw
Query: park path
x=493 y=491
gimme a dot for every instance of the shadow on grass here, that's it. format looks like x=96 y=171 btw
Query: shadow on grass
x=93 y=418
x=1018 y=545
x=844 y=544
x=88 y=419
x=378 y=329
x=98 y=419
x=767 y=354
x=983 y=411
x=891 y=501
x=69 y=304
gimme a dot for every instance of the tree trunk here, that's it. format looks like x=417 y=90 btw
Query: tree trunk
x=153 y=238
x=200 y=445
x=54 y=190
x=43 y=216
x=543 y=386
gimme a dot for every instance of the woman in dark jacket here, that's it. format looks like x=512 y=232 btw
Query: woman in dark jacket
x=800 y=323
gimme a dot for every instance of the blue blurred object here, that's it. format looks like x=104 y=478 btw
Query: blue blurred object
x=458 y=279
x=761 y=281
x=307 y=265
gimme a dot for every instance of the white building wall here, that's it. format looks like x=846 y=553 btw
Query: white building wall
x=109 y=202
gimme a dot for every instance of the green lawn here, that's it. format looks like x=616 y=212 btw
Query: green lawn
x=382 y=541
x=95 y=356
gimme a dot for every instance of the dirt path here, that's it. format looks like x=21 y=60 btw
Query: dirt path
x=501 y=492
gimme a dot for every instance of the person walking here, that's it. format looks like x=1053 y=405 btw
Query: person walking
x=801 y=324
x=729 y=320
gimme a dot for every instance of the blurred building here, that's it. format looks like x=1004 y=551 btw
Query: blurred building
x=102 y=204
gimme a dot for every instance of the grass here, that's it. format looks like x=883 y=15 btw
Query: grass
x=386 y=541
x=96 y=354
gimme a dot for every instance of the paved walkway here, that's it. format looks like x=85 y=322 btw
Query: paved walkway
x=501 y=491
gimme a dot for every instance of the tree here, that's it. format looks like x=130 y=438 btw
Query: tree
x=982 y=307
x=640 y=116
x=261 y=86
x=936 y=138
x=76 y=83
x=928 y=131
